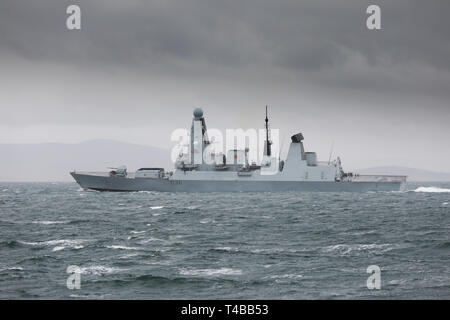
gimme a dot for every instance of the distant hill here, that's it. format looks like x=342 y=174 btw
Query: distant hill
x=53 y=161
x=413 y=174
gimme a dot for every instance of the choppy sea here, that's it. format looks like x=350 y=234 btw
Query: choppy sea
x=151 y=245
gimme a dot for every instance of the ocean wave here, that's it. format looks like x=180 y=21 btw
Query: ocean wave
x=99 y=270
x=47 y=222
x=59 y=248
x=431 y=190
x=10 y=243
x=55 y=242
x=444 y=245
x=59 y=244
x=397 y=282
x=90 y=296
x=210 y=272
x=130 y=255
x=122 y=247
x=11 y=269
x=207 y=220
x=345 y=249
x=228 y=249
x=285 y=276
x=158 y=214
x=137 y=232
x=149 y=240
x=278 y=250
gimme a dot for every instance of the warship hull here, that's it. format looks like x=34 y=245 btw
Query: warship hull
x=125 y=184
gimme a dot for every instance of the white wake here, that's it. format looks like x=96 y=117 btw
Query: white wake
x=431 y=189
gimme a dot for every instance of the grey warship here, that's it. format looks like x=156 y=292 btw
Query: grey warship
x=300 y=171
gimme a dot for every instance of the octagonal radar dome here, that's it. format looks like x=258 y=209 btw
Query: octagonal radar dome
x=198 y=113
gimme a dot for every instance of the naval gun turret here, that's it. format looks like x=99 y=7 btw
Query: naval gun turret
x=120 y=171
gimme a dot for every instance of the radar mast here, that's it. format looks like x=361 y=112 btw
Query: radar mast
x=268 y=143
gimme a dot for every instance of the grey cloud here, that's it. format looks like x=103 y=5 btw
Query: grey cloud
x=323 y=42
x=136 y=62
x=299 y=35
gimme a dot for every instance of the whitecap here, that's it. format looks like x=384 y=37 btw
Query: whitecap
x=158 y=214
x=344 y=249
x=122 y=247
x=59 y=248
x=11 y=269
x=15 y=268
x=397 y=282
x=273 y=250
x=126 y=256
x=70 y=243
x=47 y=222
x=432 y=190
x=99 y=270
x=88 y=296
x=229 y=249
x=29 y=243
x=286 y=276
x=149 y=240
x=76 y=243
x=210 y=272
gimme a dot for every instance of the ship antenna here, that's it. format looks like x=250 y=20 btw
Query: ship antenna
x=268 y=143
x=331 y=152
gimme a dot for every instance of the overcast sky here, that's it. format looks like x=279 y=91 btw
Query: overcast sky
x=137 y=68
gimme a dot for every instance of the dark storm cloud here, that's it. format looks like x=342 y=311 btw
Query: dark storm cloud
x=295 y=35
x=322 y=43
x=136 y=62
